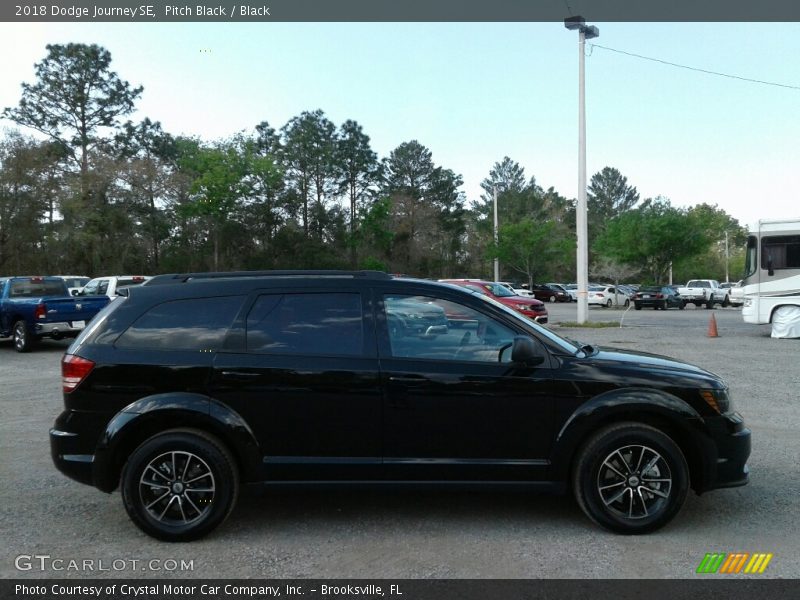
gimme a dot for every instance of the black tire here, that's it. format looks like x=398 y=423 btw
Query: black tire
x=710 y=304
x=682 y=305
x=627 y=302
x=665 y=306
x=199 y=460
x=552 y=298
x=23 y=340
x=609 y=303
x=637 y=508
x=637 y=306
x=726 y=302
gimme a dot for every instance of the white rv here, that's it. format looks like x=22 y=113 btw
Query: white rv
x=772 y=270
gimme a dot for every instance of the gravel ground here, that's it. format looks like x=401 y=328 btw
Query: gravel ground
x=439 y=534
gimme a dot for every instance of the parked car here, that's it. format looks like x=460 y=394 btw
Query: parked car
x=33 y=308
x=530 y=307
x=111 y=285
x=74 y=283
x=572 y=290
x=735 y=292
x=547 y=293
x=658 y=296
x=607 y=296
x=195 y=384
x=704 y=292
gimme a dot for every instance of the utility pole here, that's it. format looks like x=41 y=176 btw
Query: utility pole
x=584 y=33
x=496 y=237
x=727 y=278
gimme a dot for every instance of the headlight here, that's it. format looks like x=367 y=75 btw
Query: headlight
x=524 y=307
x=719 y=400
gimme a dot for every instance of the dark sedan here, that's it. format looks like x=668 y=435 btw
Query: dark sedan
x=658 y=297
x=547 y=293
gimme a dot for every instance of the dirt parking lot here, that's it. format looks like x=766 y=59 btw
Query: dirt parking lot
x=414 y=534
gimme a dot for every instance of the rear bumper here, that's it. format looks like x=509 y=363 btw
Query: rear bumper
x=67 y=457
x=63 y=329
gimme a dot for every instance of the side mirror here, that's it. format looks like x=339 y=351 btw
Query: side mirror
x=75 y=292
x=526 y=351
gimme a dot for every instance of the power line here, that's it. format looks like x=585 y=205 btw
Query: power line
x=706 y=71
x=569 y=8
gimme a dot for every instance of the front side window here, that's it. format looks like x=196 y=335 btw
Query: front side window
x=780 y=252
x=424 y=327
x=313 y=324
x=192 y=324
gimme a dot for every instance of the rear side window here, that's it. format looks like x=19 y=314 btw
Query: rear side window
x=34 y=289
x=193 y=324
x=781 y=252
x=321 y=324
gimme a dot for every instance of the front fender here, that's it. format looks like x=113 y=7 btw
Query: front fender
x=153 y=414
x=643 y=404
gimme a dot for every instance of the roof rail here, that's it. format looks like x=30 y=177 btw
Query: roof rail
x=184 y=277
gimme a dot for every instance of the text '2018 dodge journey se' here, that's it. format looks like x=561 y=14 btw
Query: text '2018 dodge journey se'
x=194 y=384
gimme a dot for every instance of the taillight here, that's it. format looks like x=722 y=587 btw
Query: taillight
x=74 y=369
x=659 y=296
x=40 y=312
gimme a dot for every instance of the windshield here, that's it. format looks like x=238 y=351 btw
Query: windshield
x=751 y=258
x=499 y=291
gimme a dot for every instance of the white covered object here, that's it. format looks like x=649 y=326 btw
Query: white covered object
x=786 y=322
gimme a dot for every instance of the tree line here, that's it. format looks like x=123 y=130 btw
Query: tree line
x=95 y=193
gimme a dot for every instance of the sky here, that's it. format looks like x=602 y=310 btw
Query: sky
x=476 y=92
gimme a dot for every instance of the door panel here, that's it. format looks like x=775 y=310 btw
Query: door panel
x=314 y=403
x=455 y=406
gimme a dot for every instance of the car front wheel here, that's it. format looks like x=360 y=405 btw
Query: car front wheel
x=631 y=478
x=179 y=485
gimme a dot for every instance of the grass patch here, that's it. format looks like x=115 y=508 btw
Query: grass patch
x=589 y=324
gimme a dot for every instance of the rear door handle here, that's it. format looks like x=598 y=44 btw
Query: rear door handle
x=239 y=375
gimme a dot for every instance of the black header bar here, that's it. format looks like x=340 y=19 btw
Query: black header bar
x=596 y=11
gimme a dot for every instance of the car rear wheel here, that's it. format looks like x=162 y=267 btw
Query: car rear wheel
x=179 y=485
x=609 y=303
x=631 y=478
x=23 y=341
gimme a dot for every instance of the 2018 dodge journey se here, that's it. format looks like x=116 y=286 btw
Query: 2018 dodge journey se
x=194 y=384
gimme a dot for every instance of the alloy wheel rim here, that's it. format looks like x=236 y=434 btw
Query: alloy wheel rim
x=634 y=482
x=19 y=337
x=177 y=488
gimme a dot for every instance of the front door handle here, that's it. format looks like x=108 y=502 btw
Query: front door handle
x=407 y=380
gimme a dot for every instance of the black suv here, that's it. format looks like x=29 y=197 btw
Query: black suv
x=193 y=384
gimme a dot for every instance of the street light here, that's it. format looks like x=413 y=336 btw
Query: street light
x=584 y=33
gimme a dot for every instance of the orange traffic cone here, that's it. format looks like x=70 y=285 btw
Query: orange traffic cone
x=712 y=327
